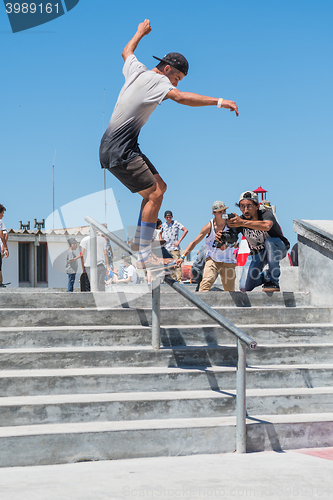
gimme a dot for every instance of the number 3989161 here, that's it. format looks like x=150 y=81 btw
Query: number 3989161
x=32 y=8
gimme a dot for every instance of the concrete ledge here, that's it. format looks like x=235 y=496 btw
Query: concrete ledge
x=315 y=256
x=317 y=231
x=287 y=432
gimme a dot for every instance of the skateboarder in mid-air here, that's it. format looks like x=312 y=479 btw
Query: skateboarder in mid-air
x=119 y=150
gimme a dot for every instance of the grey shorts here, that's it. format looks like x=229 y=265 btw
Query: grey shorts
x=136 y=175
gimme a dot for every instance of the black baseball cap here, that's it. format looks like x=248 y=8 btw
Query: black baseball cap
x=168 y=212
x=175 y=60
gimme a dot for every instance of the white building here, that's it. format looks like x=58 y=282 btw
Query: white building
x=37 y=257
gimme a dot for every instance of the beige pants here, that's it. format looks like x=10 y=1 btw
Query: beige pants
x=177 y=273
x=212 y=269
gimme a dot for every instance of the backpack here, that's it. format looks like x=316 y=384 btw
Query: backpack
x=84 y=282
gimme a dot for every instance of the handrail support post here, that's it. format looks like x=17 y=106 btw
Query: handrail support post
x=241 y=398
x=93 y=259
x=156 y=311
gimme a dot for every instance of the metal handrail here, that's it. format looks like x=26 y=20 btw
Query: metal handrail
x=108 y=234
x=200 y=304
x=243 y=340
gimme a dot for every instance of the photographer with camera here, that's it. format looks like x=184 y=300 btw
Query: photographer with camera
x=266 y=242
x=220 y=259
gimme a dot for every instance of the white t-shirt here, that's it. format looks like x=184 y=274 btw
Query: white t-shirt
x=4 y=230
x=101 y=246
x=142 y=92
x=170 y=233
x=131 y=272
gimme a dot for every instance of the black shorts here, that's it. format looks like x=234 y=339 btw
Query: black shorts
x=136 y=175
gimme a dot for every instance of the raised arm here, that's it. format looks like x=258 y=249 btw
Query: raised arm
x=195 y=100
x=260 y=225
x=143 y=29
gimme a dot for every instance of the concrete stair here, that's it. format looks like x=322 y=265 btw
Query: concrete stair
x=79 y=379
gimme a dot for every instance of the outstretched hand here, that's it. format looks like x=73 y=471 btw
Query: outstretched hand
x=230 y=105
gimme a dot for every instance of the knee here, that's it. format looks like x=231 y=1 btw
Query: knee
x=160 y=186
x=157 y=195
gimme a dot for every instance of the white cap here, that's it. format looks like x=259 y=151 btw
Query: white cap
x=218 y=206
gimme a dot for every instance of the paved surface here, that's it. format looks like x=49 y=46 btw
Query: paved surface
x=301 y=474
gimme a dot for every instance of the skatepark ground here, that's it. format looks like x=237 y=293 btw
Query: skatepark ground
x=293 y=474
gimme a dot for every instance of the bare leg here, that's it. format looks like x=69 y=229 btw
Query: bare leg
x=152 y=200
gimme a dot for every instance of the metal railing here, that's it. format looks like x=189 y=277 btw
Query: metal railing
x=94 y=227
x=243 y=340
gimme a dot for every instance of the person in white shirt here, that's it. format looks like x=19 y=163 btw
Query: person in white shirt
x=142 y=92
x=102 y=259
x=219 y=260
x=132 y=276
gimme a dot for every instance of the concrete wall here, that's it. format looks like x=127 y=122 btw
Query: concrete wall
x=56 y=259
x=315 y=257
x=10 y=266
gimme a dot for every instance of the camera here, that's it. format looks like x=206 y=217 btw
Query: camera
x=228 y=216
x=228 y=237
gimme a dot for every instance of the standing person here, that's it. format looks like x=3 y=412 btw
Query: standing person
x=219 y=261
x=266 y=242
x=170 y=233
x=71 y=263
x=159 y=243
x=3 y=241
x=102 y=259
x=198 y=266
x=119 y=150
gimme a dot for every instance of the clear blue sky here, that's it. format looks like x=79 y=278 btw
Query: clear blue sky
x=274 y=58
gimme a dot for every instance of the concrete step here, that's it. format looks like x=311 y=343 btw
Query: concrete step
x=80 y=381
x=228 y=299
x=69 y=443
x=188 y=356
x=171 y=335
x=32 y=410
x=183 y=316
x=158 y=379
x=140 y=296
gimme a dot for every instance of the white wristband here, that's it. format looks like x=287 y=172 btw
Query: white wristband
x=219 y=102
